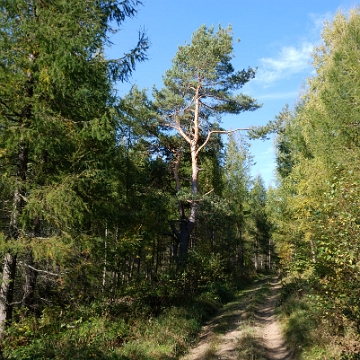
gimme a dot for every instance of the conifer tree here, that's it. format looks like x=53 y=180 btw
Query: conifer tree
x=260 y=227
x=56 y=120
x=198 y=90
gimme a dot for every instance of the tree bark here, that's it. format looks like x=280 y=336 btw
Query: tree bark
x=9 y=270
x=7 y=291
x=30 y=282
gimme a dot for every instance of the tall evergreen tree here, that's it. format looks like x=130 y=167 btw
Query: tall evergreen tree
x=260 y=225
x=56 y=120
x=198 y=90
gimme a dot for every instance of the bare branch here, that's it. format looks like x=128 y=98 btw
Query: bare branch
x=45 y=300
x=181 y=131
x=24 y=198
x=9 y=108
x=38 y=270
x=208 y=192
x=191 y=103
x=218 y=132
x=199 y=200
x=15 y=303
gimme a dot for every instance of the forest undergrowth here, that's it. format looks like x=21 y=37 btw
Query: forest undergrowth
x=143 y=328
x=152 y=328
x=311 y=330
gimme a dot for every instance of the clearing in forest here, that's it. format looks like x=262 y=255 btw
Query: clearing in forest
x=245 y=329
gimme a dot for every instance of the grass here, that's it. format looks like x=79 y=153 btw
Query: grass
x=249 y=346
x=210 y=353
x=107 y=336
x=164 y=337
x=256 y=298
x=115 y=332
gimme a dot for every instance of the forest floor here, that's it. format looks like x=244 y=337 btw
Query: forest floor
x=244 y=329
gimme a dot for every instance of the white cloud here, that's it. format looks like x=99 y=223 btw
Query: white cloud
x=290 y=60
x=279 y=95
x=318 y=22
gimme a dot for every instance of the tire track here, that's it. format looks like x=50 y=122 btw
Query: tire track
x=237 y=334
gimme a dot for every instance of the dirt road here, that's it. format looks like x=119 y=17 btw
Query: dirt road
x=245 y=329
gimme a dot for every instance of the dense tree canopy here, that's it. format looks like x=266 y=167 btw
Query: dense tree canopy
x=57 y=124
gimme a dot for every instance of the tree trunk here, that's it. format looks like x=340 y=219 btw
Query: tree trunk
x=313 y=254
x=269 y=254
x=7 y=291
x=182 y=239
x=30 y=273
x=30 y=282
x=105 y=259
x=9 y=270
x=187 y=226
x=182 y=234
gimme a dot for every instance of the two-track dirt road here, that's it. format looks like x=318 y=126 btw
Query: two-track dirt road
x=232 y=336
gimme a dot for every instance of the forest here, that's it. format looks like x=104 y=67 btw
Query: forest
x=126 y=222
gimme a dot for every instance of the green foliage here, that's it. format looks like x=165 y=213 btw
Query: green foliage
x=202 y=80
x=163 y=337
x=101 y=331
x=80 y=333
x=315 y=208
x=59 y=152
x=350 y=356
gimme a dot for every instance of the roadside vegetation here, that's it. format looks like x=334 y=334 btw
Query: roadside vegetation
x=128 y=328
x=317 y=201
x=311 y=330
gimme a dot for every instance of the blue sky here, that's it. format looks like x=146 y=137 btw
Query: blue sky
x=277 y=37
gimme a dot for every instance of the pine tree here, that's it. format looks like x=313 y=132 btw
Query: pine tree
x=198 y=90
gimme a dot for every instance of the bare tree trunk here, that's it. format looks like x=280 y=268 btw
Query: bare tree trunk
x=312 y=247
x=9 y=270
x=7 y=291
x=256 y=265
x=30 y=273
x=183 y=231
x=30 y=282
x=187 y=226
x=269 y=254
x=105 y=259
